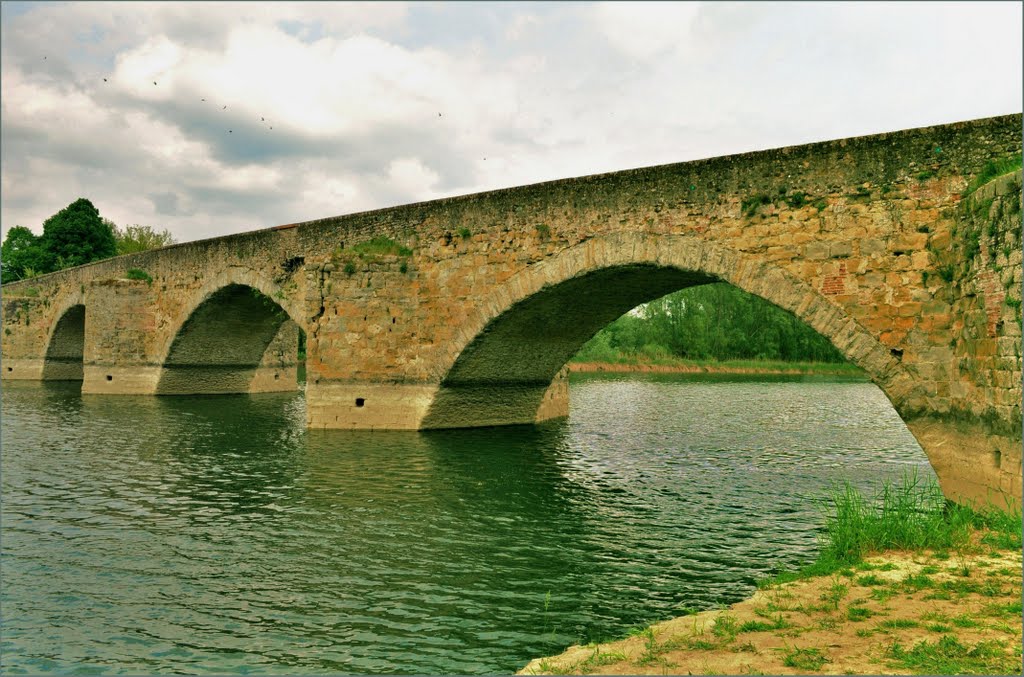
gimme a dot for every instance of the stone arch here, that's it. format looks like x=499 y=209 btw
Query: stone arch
x=230 y=335
x=506 y=355
x=65 y=347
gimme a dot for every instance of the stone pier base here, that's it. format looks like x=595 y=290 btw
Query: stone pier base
x=367 y=406
x=974 y=466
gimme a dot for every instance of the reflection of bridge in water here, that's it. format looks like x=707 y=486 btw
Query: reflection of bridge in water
x=463 y=312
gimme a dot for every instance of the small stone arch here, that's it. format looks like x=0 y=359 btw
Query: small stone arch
x=65 y=349
x=65 y=352
x=494 y=373
x=229 y=335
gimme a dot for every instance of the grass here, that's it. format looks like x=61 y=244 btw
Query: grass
x=804 y=659
x=138 y=274
x=948 y=656
x=911 y=515
x=378 y=247
x=993 y=169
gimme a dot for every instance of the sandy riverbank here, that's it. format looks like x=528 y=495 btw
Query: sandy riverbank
x=897 y=613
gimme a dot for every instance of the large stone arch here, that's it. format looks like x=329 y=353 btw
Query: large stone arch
x=230 y=339
x=502 y=361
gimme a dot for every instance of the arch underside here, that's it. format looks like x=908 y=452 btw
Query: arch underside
x=65 y=351
x=225 y=343
x=502 y=375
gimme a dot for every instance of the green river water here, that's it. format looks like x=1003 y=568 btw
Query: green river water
x=218 y=535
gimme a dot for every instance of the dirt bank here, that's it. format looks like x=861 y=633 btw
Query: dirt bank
x=898 y=613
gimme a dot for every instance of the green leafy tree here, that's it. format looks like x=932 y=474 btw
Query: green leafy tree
x=22 y=255
x=711 y=322
x=77 y=235
x=138 y=238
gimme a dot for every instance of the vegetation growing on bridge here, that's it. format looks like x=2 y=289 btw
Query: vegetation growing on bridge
x=371 y=251
x=139 y=274
x=992 y=169
x=709 y=322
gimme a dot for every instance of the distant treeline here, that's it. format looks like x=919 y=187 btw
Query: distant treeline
x=709 y=322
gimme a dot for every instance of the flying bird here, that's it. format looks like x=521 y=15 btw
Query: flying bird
x=202 y=99
x=104 y=79
x=224 y=108
x=154 y=82
x=262 y=120
x=229 y=131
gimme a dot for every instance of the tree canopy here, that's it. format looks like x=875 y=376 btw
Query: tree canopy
x=138 y=238
x=714 y=321
x=77 y=235
x=22 y=255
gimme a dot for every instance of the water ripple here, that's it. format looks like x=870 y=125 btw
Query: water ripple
x=216 y=534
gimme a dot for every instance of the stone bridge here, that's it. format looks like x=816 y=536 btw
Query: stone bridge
x=902 y=248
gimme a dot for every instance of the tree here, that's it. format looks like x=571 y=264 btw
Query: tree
x=139 y=238
x=77 y=235
x=22 y=255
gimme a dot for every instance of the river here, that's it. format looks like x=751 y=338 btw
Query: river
x=218 y=535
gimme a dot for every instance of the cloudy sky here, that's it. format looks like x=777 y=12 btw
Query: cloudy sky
x=270 y=113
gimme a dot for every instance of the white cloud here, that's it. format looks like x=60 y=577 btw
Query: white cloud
x=353 y=92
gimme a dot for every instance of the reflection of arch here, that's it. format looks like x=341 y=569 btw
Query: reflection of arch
x=512 y=347
x=66 y=347
x=222 y=343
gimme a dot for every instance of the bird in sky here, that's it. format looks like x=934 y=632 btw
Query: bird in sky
x=229 y=131
x=104 y=79
x=202 y=99
x=154 y=82
x=224 y=108
x=262 y=120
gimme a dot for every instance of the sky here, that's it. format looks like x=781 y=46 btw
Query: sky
x=213 y=118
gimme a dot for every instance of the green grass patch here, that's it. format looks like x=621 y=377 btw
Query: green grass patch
x=993 y=169
x=810 y=658
x=898 y=623
x=378 y=247
x=869 y=580
x=138 y=274
x=858 y=613
x=948 y=656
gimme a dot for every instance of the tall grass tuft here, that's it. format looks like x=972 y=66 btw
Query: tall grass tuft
x=911 y=515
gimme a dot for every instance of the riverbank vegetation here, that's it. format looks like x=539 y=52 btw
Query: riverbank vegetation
x=904 y=583
x=714 y=323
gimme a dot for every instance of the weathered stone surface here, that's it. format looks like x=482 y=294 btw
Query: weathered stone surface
x=912 y=281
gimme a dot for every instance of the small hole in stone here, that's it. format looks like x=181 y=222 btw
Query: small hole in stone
x=360 y=401
x=897 y=353
x=392 y=320
x=277 y=376
x=109 y=377
x=10 y=368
